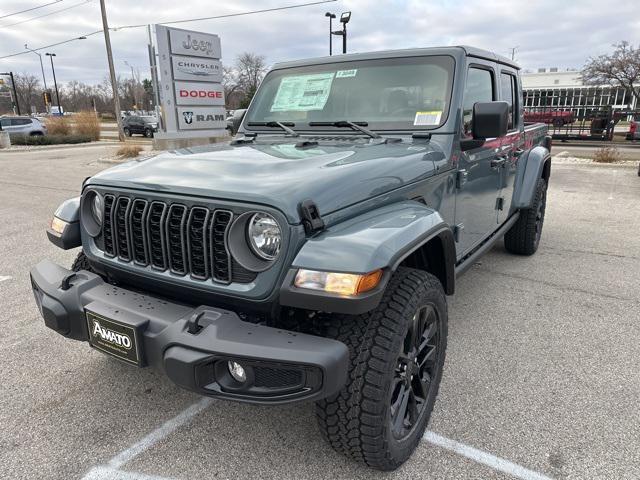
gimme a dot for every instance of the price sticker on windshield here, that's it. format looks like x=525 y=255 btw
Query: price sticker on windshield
x=428 y=118
x=303 y=92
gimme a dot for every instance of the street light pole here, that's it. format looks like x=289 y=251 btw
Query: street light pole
x=331 y=17
x=112 y=70
x=44 y=79
x=55 y=83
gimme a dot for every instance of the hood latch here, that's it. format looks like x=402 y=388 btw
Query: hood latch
x=310 y=216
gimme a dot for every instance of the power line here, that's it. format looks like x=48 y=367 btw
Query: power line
x=300 y=5
x=29 y=9
x=47 y=14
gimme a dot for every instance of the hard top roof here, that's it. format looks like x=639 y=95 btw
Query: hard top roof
x=409 y=52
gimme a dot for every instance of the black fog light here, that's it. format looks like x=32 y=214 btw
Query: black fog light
x=237 y=371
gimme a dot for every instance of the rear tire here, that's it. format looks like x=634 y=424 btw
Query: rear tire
x=81 y=263
x=397 y=354
x=523 y=238
x=127 y=132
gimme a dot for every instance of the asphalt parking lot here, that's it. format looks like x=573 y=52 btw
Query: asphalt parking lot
x=542 y=377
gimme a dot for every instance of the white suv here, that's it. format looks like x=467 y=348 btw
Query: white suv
x=23 y=125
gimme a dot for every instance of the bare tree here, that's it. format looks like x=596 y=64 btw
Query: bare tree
x=250 y=69
x=29 y=91
x=621 y=68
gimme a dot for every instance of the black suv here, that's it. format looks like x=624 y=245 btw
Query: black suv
x=145 y=125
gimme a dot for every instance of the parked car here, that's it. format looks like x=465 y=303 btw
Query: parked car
x=557 y=118
x=310 y=258
x=23 y=126
x=233 y=120
x=140 y=124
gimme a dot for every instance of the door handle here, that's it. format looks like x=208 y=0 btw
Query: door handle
x=498 y=161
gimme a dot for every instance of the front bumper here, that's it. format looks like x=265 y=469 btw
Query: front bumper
x=282 y=366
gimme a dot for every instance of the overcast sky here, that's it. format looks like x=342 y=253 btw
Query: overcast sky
x=548 y=33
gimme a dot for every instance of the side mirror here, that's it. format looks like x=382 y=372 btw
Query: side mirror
x=236 y=121
x=490 y=120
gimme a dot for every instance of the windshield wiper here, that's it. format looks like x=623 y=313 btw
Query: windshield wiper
x=283 y=125
x=345 y=124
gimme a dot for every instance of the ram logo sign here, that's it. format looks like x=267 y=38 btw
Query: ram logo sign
x=201 y=118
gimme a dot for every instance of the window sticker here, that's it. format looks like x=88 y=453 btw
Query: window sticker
x=428 y=118
x=303 y=92
x=346 y=73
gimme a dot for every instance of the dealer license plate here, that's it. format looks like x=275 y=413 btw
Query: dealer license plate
x=114 y=338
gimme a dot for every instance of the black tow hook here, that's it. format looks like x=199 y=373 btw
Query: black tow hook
x=192 y=324
x=65 y=284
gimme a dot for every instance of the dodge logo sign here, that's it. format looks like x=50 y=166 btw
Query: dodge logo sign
x=197 y=93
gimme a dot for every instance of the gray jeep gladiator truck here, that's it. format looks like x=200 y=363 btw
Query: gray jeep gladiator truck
x=309 y=259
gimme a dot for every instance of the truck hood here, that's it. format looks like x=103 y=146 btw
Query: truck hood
x=280 y=174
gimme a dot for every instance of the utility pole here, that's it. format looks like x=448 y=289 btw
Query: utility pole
x=55 y=83
x=112 y=70
x=15 y=92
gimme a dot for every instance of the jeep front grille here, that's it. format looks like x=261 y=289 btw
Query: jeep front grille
x=184 y=240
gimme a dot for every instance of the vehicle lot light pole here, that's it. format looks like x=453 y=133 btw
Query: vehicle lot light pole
x=55 y=83
x=344 y=19
x=331 y=17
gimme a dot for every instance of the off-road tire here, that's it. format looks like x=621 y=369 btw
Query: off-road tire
x=81 y=263
x=357 y=421
x=523 y=238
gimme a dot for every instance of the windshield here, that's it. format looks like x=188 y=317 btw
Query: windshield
x=388 y=94
x=148 y=119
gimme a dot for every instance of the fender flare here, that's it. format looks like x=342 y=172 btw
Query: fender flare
x=536 y=164
x=68 y=211
x=379 y=239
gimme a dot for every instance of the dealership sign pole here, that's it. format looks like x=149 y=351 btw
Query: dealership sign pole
x=190 y=86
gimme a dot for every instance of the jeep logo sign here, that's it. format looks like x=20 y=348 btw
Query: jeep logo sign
x=201 y=118
x=194 y=93
x=194 y=44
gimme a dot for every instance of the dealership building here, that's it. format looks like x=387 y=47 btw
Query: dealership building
x=564 y=90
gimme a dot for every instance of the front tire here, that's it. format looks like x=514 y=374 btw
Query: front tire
x=523 y=238
x=81 y=263
x=148 y=133
x=397 y=354
x=127 y=132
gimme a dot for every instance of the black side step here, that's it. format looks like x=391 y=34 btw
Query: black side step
x=470 y=259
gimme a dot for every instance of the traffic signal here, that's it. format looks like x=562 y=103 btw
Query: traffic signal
x=47 y=98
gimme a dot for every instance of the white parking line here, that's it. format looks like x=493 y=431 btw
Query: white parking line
x=112 y=471
x=497 y=463
x=159 y=433
x=108 y=473
x=3 y=279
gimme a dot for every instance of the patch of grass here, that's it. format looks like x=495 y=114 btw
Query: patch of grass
x=129 y=151
x=48 y=139
x=607 y=155
x=58 y=125
x=87 y=123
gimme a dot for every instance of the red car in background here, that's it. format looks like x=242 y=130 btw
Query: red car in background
x=557 y=118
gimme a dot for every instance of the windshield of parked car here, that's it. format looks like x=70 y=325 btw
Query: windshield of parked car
x=387 y=94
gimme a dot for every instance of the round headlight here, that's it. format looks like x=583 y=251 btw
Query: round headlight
x=264 y=235
x=96 y=208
